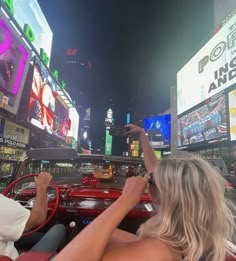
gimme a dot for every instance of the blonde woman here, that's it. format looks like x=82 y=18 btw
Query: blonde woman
x=192 y=220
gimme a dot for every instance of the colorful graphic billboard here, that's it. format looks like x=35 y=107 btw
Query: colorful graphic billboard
x=232 y=114
x=14 y=63
x=205 y=123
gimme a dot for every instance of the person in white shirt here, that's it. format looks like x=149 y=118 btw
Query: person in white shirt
x=16 y=219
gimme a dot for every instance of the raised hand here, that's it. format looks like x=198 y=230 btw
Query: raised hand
x=134 y=188
x=133 y=129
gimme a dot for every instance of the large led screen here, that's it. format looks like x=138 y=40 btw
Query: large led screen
x=158 y=129
x=46 y=109
x=14 y=63
x=29 y=12
x=210 y=71
x=74 y=129
x=232 y=114
x=222 y=9
x=205 y=123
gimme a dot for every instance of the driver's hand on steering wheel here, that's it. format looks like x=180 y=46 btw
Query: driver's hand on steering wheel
x=43 y=180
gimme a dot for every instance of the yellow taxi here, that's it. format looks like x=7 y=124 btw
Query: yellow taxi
x=104 y=172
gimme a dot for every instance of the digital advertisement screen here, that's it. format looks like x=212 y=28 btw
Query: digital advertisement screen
x=74 y=130
x=210 y=71
x=206 y=123
x=222 y=9
x=14 y=64
x=158 y=129
x=29 y=12
x=46 y=109
x=232 y=114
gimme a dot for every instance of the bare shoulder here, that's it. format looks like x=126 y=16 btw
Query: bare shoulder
x=150 y=249
x=158 y=249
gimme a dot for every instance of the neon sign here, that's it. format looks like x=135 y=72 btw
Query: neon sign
x=71 y=52
x=4 y=47
x=30 y=37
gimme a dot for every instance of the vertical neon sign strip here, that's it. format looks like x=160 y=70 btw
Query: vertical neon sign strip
x=108 y=143
x=20 y=70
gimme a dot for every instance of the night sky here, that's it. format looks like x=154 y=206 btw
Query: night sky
x=136 y=48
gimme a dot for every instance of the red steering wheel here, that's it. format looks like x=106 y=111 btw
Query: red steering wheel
x=56 y=204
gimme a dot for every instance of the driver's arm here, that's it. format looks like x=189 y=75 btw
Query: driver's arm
x=39 y=211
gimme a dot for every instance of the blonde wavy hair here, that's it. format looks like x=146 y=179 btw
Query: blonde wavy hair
x=193 y=216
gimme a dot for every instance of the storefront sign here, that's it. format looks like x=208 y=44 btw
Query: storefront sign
x=16 y=132
x=12 y=134
x=210 y=71
x=12 y=143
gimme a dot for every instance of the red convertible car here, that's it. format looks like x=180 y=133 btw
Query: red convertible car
x=76 y=195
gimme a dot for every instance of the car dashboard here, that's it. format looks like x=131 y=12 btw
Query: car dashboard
x=80 y=204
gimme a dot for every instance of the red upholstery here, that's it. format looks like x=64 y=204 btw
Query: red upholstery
x=5 y=258
x=230 y=257
x=39 y=256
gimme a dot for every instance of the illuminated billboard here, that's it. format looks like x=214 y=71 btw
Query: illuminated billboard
x=28 y=13
x=205 y=123
x=232 y=114
x=109 y=121
x=223 y=9
x=14 y=63
x=74 y=129
x=47 y=110
x=210 y=71
x=158 y=130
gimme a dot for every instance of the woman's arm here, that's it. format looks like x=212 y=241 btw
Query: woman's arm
x=150 y=159
x=90 y=243
x=121 y=236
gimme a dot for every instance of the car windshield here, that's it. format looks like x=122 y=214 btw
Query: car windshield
x=110 y=171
